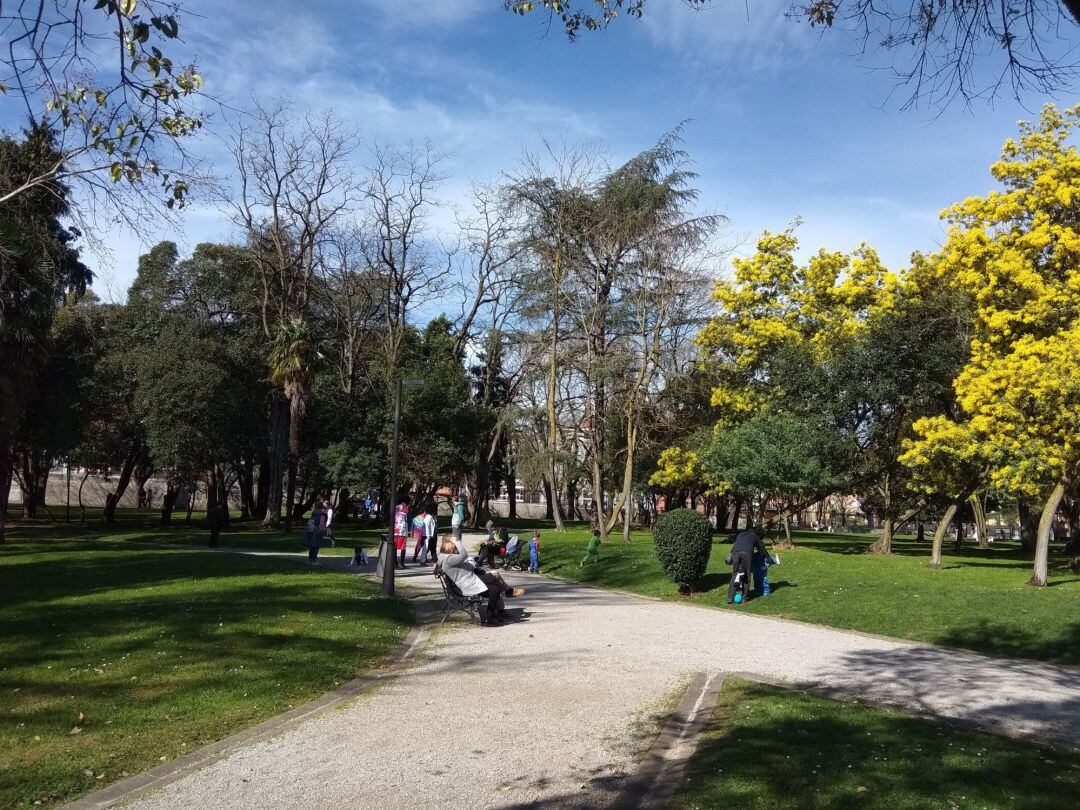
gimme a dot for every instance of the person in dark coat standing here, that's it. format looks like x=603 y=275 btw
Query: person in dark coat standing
x=742 y=552
x=318 y=532
x=215 y=518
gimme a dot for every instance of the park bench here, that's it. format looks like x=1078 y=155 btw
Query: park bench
x=474 y=605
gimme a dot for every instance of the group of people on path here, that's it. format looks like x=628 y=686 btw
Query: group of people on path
x=421 y=527
x=501 y=544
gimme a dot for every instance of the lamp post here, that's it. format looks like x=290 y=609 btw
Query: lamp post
x=388 y=547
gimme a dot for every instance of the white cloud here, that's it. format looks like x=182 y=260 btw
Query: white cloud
x=745 y=39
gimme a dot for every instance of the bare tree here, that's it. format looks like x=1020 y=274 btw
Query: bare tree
x=350 y=295
x=295 y=185
x=545 y=200
x=398 y=199
x=492 y=252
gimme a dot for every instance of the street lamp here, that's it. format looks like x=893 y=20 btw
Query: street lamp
x=387 y=559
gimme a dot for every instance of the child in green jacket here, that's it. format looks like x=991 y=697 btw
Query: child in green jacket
x=592 y=549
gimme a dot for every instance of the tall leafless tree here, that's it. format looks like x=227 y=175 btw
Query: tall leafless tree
x=295 y=184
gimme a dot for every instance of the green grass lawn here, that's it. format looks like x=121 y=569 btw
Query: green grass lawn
x=161 y=651
x=144 y=525
x=977 y=600
x=767 y=747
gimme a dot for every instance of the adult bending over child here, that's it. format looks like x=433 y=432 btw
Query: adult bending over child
x=747 y=543
x=470 y=580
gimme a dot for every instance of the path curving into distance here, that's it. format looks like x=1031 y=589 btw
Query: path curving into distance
x=558 y=709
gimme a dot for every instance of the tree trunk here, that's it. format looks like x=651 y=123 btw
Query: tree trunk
x=306 y=502
x=940 y=532
x=979 y=514
x=573 y=511
x=192 y=492
x=735 y=515
x=211 y=488
x=290 y=492
x=626 y=521
x=787 y=531
x=341 y=505
x=479 y=492
x=939 y=535
x=246 y=481
x=113 y=499
x=598 y=489
x=511 y=493
x=959 y=536
x=141 y=475
x=82 y=508
x=549 y=499
x=628 y=470
x=1046 y=530
x=920 y=533
x=279 y=432
x=5 y=485
x=723 y=508
x=1029 y=525
x=262 y=490
x=172 y=492
x=33 y=482
x=759 y=524
x=883 y=545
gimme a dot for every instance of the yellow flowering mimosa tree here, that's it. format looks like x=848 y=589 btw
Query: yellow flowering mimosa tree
x=1017 y=251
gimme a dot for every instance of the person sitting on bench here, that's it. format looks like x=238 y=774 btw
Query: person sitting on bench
x=464 y=574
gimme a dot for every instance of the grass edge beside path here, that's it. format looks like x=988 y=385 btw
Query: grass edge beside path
x=117 y=658
x=978 y=600
x=772 y=747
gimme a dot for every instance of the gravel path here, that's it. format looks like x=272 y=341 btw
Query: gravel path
x=555 y=709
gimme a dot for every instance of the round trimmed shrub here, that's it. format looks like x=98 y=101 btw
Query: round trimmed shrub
x=683 y=540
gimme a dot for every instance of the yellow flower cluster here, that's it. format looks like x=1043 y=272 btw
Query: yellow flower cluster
x=1017 y=252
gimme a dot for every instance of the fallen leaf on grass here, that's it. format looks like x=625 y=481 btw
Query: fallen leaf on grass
x=76 y=730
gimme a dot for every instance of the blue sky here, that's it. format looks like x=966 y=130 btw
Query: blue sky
x=786 y=122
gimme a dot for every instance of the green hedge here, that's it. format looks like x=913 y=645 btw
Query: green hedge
x=683 y=540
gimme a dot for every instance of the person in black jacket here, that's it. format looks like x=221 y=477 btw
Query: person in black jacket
x=742 y=552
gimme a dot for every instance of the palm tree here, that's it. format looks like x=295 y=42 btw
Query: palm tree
x=294 y=352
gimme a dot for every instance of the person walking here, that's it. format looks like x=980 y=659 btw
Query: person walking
x=457 y=519
x=592 y=550
x=329 y=522
x=430 y=532
x=419 y=540
x=317 y=525
x=534 y=553
x=401 y=529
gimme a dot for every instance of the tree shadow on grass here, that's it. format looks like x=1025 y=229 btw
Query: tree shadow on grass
x=766 y=747
x=712 y=581
x=159 y=647
x=1001 y=638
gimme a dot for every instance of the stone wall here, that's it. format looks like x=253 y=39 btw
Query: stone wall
x=96 y=487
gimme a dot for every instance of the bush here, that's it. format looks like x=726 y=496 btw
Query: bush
x=683 y=540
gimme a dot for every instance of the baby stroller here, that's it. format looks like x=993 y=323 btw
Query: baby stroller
x=512 y=557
